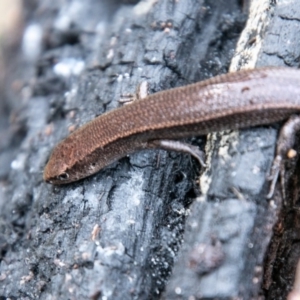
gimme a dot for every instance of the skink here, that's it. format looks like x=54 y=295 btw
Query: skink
x=231 y=101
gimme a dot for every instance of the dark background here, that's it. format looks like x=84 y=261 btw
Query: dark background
x=141 y=228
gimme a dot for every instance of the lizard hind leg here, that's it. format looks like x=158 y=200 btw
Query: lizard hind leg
x=284 y=151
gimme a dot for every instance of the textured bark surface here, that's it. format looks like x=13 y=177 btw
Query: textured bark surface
x=139 y=229
x=236 y=244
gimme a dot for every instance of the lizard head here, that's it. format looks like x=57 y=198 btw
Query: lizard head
x=57 y=169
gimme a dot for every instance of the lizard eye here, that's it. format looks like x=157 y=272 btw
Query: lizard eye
x=63 y=176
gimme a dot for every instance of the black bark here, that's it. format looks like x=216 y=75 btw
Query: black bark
x=140 y=229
